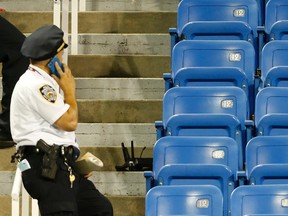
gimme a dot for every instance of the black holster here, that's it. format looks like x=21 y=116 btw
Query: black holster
x=49 y=163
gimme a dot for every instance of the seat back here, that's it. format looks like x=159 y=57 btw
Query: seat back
x=265 y=157
x=271 y=111
x=276 y=19
x=195 y=150
x=239 y=54
x=184 y=200
x=260 y=200
x=245 y=11
x=205 y=100
x=274 y=54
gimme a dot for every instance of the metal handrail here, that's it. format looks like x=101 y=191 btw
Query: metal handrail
x=76 y=6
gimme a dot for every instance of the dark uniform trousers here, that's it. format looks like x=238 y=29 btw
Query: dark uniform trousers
x=56 y=197
x=14 y=64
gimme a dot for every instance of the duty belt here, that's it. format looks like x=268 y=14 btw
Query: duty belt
x=42 y=147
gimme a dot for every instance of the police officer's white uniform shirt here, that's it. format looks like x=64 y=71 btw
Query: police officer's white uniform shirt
x=36 y=105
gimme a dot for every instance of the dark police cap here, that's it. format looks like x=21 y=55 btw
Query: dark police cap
x=44 y=43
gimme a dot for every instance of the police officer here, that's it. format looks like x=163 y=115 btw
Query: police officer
x=14 y=64
x=44 y=111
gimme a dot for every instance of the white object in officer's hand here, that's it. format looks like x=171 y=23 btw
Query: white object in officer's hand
x=88 y=163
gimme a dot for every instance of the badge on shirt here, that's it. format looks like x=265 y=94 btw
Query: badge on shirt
x=48 y=93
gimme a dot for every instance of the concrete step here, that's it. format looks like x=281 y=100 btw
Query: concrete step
x=92 y=5
x=100 y=22
x=146 y=66
x=113 y=134
x=104 y=141
x=137 y=44
x=119 y=111
x=109 y=183
x=117 y=88
x=133 y=205
x=111 y=156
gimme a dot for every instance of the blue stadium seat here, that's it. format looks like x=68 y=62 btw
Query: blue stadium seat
x=271 y=111
x=267 y=160
x=217 y=19
x=206 y=55
x=276 y=20
x=193 y=150
x=206 y=111
x=200 y=174
x=260 y=200
x=273 y=63
x=184 y=200
x=195 y=161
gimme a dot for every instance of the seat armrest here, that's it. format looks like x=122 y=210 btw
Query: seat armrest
x=168 y=81
x=149 y=180
x=174 y=37
x=249 y=129
x=241 y=177
x=159 y=129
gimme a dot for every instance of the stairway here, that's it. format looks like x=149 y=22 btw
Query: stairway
x=124 y=48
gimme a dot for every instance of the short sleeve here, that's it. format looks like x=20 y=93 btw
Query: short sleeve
x=48 y=103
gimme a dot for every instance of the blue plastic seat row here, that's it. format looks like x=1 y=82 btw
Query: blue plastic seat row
x=210 y=21
x=260 y=200
x=223 y=63
x=212 y=161
x=223 y=111
x=213 y=63
x=231 y=20
x=195 y=161
x=217 y=19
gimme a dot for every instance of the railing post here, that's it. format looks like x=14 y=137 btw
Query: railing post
x=15 y=194
x=82 y=5
x=64 y=23
x=35 y=208
x=25 y=202
x=57 y=13
x=74 y=28
x=64 y=26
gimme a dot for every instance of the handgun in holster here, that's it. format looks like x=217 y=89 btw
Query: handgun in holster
x=49 y=163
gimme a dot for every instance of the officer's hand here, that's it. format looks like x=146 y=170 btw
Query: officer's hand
x=66 y=80
x=88 y=175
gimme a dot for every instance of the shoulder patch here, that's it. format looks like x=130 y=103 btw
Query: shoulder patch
x=48 y=93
